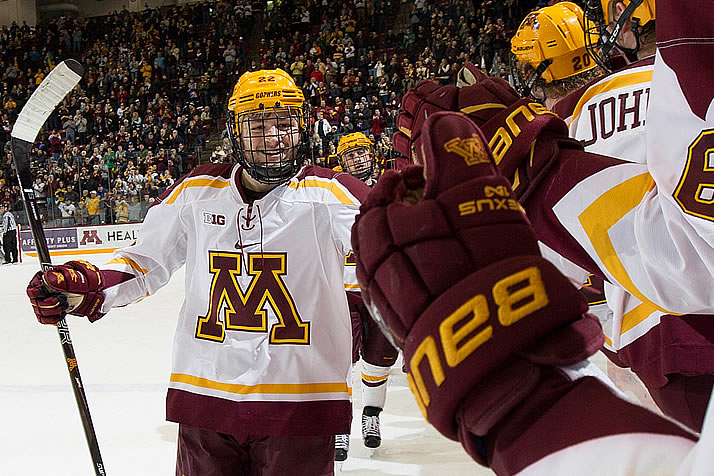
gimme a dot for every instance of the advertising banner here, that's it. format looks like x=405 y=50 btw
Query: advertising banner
x=83 y=239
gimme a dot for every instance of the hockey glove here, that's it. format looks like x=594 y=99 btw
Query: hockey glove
x=450 y=267
x=72 y=288
x=525 y=137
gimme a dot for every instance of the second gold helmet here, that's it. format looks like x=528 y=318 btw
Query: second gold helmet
x=363 y=166
x=552 y=41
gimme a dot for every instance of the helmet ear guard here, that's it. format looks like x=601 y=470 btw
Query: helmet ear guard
x=268 y=103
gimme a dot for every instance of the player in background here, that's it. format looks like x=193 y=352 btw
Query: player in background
x=259 y=384
x=641 y=227
x=356 y=157
x=496 y=339
x=608 y=116
x=550 y=53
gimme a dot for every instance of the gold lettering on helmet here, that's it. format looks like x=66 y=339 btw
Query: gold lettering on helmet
x=268 y=94
x=471 y=149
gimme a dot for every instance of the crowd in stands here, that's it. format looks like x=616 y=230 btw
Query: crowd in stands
x=153 y=95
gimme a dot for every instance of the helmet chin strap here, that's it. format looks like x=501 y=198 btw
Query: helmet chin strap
x=611 y=37
x=527 y=89
x=274 y=175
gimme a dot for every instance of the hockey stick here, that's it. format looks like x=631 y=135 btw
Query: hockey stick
x=61 y=80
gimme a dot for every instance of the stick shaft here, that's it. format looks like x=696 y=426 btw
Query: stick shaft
x=21 y=155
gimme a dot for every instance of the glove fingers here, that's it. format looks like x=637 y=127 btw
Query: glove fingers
x=425 y=87
x=36 y=288
x=421 y=102
x=413 y=177
x=454 y=151
x=502 y=90
x=50 y=309
x=401 y=143
x=383 y=193
x=383 y=314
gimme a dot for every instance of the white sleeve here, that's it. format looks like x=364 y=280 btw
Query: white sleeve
x=343 y=217
x=141 y=269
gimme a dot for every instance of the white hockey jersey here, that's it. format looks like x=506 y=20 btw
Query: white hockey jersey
x=648 y=227
x=263 y=341
x=608 y=117
x=625 y=233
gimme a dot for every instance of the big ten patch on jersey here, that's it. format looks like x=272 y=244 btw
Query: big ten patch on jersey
x=212 y=218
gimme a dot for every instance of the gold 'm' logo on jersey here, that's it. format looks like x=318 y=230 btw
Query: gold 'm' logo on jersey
x=471 y=149
x=233 y=308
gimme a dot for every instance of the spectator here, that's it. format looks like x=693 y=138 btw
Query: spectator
x=92 y=206
x=68 y=210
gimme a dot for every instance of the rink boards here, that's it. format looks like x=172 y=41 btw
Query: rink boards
x=82 y=240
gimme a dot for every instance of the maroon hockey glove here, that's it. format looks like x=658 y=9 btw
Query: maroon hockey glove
x=72 y=288
x=525 y=137
x=450 y=267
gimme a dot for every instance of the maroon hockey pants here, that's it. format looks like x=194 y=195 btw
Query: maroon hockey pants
x=207 y=453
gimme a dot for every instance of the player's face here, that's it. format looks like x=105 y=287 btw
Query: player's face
x=270 y=138
x=357 y=161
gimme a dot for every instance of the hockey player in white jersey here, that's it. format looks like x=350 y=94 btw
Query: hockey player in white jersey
x=356 y=156
x=260 y=379
x=621 y=228
x=608 y=116
x=580 y=425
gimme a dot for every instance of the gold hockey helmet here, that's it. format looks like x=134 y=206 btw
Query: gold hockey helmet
x=551 y=41
x=643 y=13
x=355 y=153
x=267 y=105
